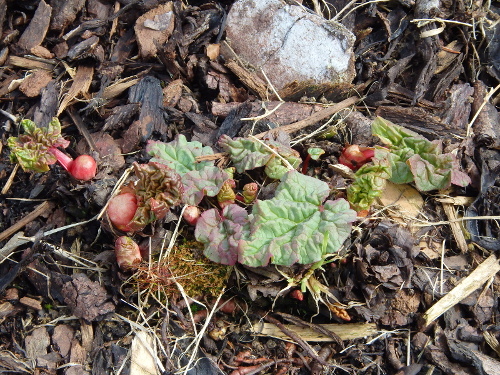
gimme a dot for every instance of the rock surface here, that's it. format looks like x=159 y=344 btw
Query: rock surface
x=300 y=52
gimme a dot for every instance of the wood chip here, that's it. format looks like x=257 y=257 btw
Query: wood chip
x=26 y=63
x=33 y=84
x=81 y=84
x=37 y=29
x=31 y=302
x=344 y=331
x=464 y=288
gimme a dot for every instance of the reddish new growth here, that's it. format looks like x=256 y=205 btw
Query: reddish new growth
x=84 y=167
x=147 y=199
x=354 y=156
x=37 y=148
x=128 y=255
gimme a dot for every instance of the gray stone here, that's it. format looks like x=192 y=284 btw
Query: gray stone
x=300 y=52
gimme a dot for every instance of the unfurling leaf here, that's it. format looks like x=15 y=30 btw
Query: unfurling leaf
x=249 y=193
x=30 y=149
x=158 y=188
x=226 y=195
x=369 y=181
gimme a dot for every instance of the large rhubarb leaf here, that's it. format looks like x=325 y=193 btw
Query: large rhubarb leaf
x=221 y=234
x=198 y=178
x=30 y=149
x=249 y=153
x=296 y=226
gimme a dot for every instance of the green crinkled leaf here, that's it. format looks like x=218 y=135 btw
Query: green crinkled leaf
x=369 y=181
x=207 y=181
x=198 y=178
x=179 y=154
x=222 y=234
x=414 y=158
x=247 y=153
x=296 y=226
x=30 y=149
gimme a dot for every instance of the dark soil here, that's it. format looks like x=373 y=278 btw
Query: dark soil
x=66 y=307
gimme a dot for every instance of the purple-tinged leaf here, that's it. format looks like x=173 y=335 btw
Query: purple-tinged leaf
x=179 y=154
x=207 y=181
x=221 y=234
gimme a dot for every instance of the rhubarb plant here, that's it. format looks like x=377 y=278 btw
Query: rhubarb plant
x=407 y=157
x=37 y=148
x=298 y=225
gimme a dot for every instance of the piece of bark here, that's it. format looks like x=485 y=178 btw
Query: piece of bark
x=31 y=302
x=457 y=107
x=47 y=108
x=148 y=93
x=120 y=116
x=153 y=29
x=42 y=52
x=37 y=342
x=485 y=127
x=286 y=113
x=62 y=338
x=123 y=47
x=87 y=299
x=65 y=12
x=418 y=120
x=249 y=79
x=314 y=118
x=33 y=84
x=86 y=48
x=81 y=83
x=233 y=123
x=172 y=93
x=30 y=63
x=3 y=13
x=107 y=148
x=36 y=30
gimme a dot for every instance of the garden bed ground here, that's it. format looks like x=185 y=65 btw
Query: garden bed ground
x=412 y=290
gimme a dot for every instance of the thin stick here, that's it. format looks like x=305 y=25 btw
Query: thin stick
x=8 y=184
x=39 y=210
